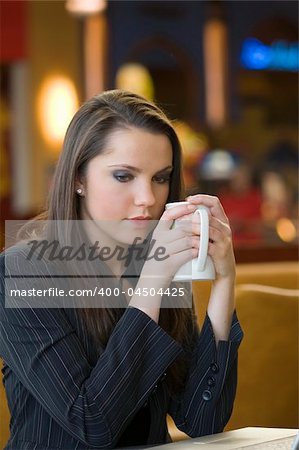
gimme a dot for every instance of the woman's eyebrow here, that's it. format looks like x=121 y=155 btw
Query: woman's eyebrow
x=166 y=169
x=135 y=169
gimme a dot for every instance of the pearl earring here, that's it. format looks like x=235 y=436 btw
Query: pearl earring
x=79 y=191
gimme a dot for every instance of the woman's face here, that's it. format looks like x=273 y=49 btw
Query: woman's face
x=128 y=184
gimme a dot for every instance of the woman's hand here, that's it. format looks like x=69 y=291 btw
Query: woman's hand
x=180 y=244
x=222 y=299
x=220 y=246
x=179 y=247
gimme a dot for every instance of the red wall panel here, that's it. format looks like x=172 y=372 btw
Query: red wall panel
x=13 y=30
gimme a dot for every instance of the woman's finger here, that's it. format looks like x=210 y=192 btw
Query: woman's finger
x=210 y=201
x=180 y=245
x=194 y=226
x=174 y=213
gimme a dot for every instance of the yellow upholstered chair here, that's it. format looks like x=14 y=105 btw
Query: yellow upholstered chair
x=267 y=306
x=4 y=415
x=267 y=392
x=284 y=274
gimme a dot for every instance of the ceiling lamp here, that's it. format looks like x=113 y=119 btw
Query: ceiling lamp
x=85 y=7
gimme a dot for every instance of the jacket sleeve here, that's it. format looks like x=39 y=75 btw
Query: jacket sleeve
x=93 y=404
x=206 y=403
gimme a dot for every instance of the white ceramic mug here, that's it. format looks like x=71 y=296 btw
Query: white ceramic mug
x=202 y=267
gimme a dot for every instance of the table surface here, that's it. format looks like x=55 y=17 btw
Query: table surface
x=231 y=439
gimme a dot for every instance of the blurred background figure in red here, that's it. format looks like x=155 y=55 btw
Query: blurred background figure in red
x=242 y=202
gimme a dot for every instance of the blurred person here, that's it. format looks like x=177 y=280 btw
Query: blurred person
x=276 y=198
x=242 y=202
x=106 y=377
x=279 y=181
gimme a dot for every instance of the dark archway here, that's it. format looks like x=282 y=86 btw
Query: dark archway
x=174 y=75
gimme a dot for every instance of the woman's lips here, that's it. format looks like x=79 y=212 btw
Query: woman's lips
x=140 y=218
x=140 y=221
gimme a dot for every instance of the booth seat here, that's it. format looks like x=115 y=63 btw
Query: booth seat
x=267 y=392
x=267 y=306
x=283 y=274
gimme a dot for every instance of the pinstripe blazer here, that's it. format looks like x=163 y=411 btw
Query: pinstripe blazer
x=63 y=397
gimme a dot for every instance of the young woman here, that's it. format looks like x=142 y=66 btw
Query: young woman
x=105 y=377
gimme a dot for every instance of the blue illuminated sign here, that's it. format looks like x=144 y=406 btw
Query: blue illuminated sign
x=280 y=55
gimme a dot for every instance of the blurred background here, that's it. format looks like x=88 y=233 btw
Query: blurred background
x=226 y=72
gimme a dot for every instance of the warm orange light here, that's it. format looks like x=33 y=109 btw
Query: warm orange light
x=57 y=103
x=215 y=51
x=136 y=78
x=286 y=229
x=95 y=45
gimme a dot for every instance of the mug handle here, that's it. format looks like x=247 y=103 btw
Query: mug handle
x=203 y=238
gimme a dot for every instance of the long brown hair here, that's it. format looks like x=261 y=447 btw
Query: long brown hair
x=85 y=138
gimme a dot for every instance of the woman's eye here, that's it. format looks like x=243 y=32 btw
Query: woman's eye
x=123 y=177
x=162 y=179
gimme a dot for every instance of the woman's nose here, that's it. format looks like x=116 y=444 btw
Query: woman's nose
x=144 y=195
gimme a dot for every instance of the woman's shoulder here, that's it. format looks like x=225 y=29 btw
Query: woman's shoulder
x=13 y=255
x=28 y=280
x=19 y=248
x=26 y=258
